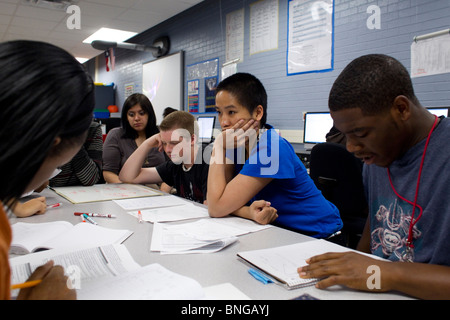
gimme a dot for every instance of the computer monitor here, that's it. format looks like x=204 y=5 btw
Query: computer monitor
x=316 y=127
x=439 y=111
x=206 y=128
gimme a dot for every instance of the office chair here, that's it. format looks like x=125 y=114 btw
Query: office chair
x=338 y=174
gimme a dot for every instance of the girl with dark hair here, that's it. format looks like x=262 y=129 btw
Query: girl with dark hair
x=138 y=124
x=46 y=107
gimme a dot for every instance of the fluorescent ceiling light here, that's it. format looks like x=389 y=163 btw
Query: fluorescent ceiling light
x=108 y=34
x=81 y=60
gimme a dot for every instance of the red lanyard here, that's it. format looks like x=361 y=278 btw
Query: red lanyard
x=414 y=204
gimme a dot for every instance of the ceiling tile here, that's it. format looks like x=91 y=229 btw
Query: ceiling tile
x=19 y=21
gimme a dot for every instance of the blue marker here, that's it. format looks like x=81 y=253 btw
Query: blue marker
x=89 y=219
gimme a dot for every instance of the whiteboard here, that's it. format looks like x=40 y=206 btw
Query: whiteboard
x=162 y=83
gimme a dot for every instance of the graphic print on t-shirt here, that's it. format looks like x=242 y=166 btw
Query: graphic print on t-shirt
x=390 y=234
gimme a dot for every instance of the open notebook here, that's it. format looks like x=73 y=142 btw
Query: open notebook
x=33 y=237
x=281 y=263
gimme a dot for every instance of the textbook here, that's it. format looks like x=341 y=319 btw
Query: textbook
x=109 y=273
x=281 y=263
x=33 y=237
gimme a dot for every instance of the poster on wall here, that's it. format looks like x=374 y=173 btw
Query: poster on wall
x=206 y=74
x=193 y=95
x=310 y=36
x=234 y=45
x=210 y=94
x=263 y=26
x=430 y=56
x=129 y=89
x=229 y=68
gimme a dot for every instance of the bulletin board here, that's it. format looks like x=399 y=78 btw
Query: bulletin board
x=202 y=79
x=162 y=83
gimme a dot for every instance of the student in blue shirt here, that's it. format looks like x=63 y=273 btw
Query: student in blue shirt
x=251 y=162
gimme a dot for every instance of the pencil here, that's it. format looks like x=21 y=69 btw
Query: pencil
x=27 y=284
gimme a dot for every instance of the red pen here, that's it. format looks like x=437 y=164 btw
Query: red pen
x=55 y=205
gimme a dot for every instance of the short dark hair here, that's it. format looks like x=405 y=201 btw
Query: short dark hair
x=146 y=105
x=248 y=90
x=168 y=111
x=44 y=93
x=371 y=83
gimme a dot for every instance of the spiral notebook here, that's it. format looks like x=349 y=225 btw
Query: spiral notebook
x=281 y=263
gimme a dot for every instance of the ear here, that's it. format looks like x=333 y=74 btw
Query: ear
x=258 y=113
x=56 y=141
x=194 y=139
x=401 y=108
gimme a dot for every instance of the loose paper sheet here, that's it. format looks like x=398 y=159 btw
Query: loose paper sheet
x=263 y=26
x=174 y=213
x=430 y=56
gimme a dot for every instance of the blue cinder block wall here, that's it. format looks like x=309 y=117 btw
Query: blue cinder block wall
x=200 y=33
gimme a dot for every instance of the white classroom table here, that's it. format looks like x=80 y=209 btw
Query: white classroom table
x=208 y=269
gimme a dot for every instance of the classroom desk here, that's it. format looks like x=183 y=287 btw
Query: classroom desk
x=208 y=269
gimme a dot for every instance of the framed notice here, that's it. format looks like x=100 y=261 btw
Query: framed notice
x=310 y=36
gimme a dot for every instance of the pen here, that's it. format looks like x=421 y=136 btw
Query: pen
x=82 y=218
x=24 y=285
x=260 y=276
x=89 y=219
x=95 y=215
x=333 y=235
x=140 y=216
x=55 y=205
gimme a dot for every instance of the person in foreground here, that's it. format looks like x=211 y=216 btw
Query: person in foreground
x=406 y=176
x=46 y=107
x=251 y=162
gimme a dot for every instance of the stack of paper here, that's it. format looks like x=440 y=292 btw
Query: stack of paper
x=201 y=236
x=204 y=235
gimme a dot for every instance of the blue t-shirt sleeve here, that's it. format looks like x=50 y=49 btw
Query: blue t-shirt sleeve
x=271 y=158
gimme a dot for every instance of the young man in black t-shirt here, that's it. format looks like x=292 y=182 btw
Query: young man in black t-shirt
x=186 y=171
